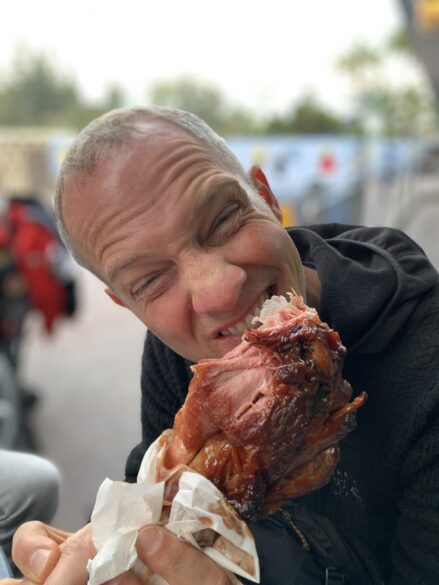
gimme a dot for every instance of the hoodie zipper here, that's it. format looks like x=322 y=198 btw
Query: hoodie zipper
x=303 y=540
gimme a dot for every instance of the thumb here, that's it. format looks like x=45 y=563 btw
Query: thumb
x=175 y=561
x=35 y=549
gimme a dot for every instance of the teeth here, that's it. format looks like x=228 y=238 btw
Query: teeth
x=236 y=329
x=239 y=328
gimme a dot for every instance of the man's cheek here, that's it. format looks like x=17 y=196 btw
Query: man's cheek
x=172 y=329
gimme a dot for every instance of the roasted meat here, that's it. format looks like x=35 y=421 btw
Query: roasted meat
x=263 y=423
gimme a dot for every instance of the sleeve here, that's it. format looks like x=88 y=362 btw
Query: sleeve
x=164 y=382
x=416 y=543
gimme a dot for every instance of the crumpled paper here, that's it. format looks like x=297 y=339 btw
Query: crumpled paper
x=121 y=509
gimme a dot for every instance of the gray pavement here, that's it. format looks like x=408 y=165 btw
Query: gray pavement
x=410 y=204
x=88 y=378
x=88 y=374
x=423 y=227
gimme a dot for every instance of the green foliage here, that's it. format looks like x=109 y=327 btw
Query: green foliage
x=399 y=42
x=403 y=109
x=308 y=116
x=207 y=102
x=359 y=58
x=36 y=94
x=187 y=94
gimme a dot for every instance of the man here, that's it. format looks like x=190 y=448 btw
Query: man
x=154 y=203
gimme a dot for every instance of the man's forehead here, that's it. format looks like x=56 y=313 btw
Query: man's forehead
x=157 y=156
x=155 y=149
x=125 y=156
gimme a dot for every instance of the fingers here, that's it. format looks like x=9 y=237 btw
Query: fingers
x=35 y=549
x=175 y=561
x=45 y=554
x=71 y=568
x=51 y=556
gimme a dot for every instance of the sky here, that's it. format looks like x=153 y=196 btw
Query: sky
x=262 y=54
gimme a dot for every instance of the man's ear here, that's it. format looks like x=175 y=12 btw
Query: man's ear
x=114 y=297
x=259 y=180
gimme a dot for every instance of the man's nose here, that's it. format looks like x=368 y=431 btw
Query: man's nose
x=215 y=284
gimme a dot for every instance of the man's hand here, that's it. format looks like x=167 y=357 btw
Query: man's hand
x=49 y=556
x=177 y=562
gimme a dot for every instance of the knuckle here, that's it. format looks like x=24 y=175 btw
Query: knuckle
x=172 y=555
x=78 y=543
x=179 y=562
x=33 y=526
x=188 y=560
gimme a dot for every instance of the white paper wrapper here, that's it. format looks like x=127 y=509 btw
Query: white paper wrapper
x=121 y=509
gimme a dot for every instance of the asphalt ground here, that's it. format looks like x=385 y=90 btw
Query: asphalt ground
x=87 y=377
x=410 y=204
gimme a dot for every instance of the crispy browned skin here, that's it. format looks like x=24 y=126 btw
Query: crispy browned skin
x=263 y=423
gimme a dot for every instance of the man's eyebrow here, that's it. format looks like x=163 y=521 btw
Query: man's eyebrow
x=218 y=187
x=122 y=265
x=205 y=201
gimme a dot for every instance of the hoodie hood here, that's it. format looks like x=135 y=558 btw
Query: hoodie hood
x=372 y=280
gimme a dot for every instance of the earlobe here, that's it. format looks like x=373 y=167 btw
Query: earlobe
x=114 y=297
x=260 y=181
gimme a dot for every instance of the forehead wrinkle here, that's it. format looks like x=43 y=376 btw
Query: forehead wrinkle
x=184 y=155
x=123 y=226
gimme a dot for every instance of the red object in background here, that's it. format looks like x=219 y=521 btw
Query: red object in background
x=327 y=163
x=31 y=244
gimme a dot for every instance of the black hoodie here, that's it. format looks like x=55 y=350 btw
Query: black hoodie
x=371 y=278
x=380 y=292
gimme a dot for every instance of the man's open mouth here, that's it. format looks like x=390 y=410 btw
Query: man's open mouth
x=239 y=327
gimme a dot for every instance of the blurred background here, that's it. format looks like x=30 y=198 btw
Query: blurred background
x=336 y=101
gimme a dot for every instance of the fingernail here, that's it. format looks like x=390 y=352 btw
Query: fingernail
x=38 y=561
x=149 y=540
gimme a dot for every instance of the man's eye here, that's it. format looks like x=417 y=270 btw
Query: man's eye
x=227 y=222
x=145 y=284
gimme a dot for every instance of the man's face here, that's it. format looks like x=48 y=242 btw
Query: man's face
x=181 y=242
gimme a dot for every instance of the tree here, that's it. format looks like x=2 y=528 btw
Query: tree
x=399 y=42
x=34 y=93
x=114 y=98
x=207 y=102
x=361 y=62
x=308 y=116
x=188 y=94
x=402 y=109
